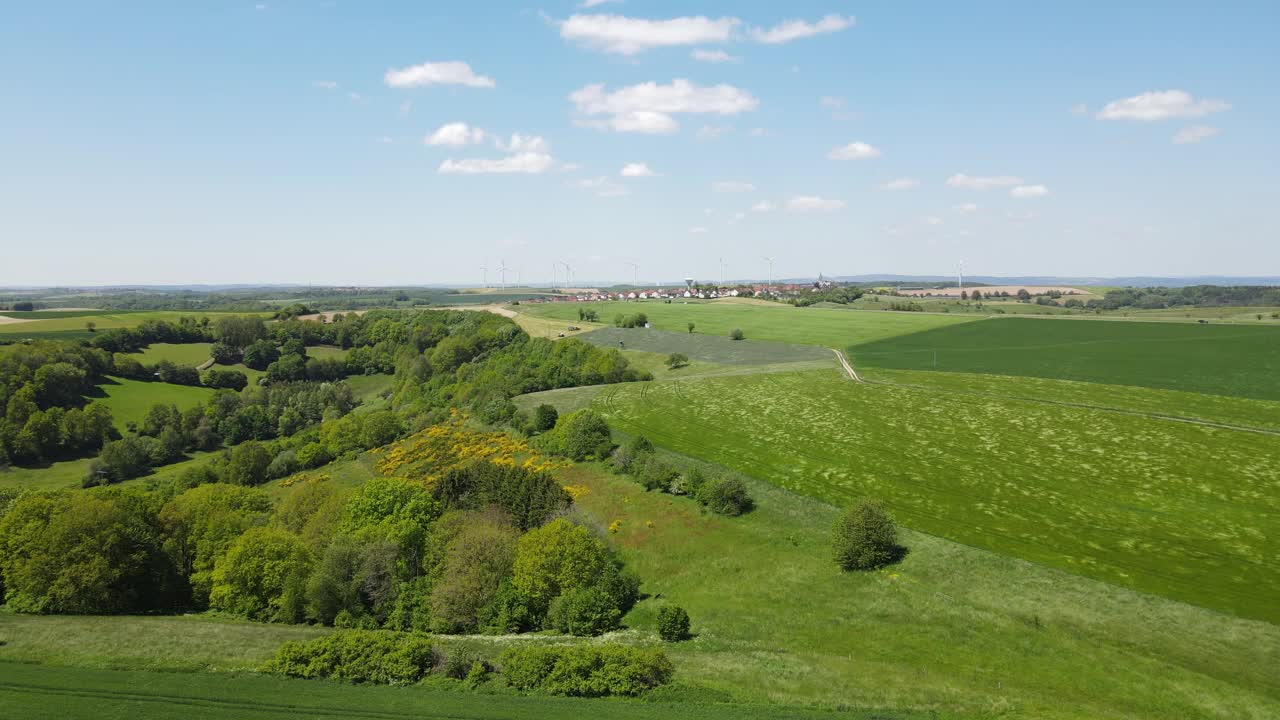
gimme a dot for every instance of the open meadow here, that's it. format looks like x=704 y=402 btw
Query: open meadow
x=72 y=324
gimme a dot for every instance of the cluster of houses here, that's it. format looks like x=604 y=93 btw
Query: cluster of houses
x=691 y=293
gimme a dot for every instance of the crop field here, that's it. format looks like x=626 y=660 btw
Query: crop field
x=182 y=355
x=760 y=321
x=1240 y=361
x=130 y=400
x=1182 y=510
x=73 y=322
x=708 y=348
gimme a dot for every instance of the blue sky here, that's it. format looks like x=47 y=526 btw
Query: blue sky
x=161 y=142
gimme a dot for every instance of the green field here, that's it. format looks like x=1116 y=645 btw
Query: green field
x=1242 y=361
x=1182 y=510
x=182 y=355
x=65 y=325
x=130 y=400
x=706 y=348
x=759 y=321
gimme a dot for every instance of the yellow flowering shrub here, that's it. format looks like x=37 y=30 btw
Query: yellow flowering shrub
x=434 y=451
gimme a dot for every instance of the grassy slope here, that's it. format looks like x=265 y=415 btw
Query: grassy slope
x=74 y=322
x=182 y=355
x=1166 y=507
x=780 y=323
x=55 y=693
x=1242 y=361
x=707 y=348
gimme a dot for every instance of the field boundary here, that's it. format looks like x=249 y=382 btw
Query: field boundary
x=848 y=368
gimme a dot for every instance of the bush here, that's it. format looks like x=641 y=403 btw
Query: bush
x=231 y=379
x=726 y=496
x=736 y=334
x=864 y=537
x=585 y=612
x=673 y=623
x=677 y=360
x=372 y=656
x=544 y=418
x=580 y=436
x=586 y=670
x=654 y=474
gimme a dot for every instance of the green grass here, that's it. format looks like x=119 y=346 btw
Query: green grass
x=1241 y=361
x=182 y=355
x=1171 y=508
x=37 y=692
x=707 y=348
x=57 y=476
x=759 y=321
x=130 y=400
x=74 y=321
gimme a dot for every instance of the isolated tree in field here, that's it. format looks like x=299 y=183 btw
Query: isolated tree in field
x=91 y=326
x=736 y=334
x=690 y=326
x=544 y=417
x=865 y=537
x=676 y=360
x=1023 y=295
x=673 y=623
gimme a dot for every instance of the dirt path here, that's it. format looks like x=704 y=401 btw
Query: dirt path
x=497 y=309
x=848 y=368
x=5 y=320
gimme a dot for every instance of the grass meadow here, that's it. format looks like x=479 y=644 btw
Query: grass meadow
x=182 y=355
x=1240 y=361
x=70 y=325
x=130 y=400
x=1177 y=509
x=758 y=321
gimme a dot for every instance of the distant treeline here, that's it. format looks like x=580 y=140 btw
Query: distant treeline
x=1196 y=295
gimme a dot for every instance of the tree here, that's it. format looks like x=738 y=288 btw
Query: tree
x=262 y=576
x=580 y=435
x=673 y=623
x=240 y=331
x=124 y=459
x=247 y=464
x=1023 y=295
x=223 y=354
x=690 y=326
x=476 y=561
x=201 y=524
x=556 y=558
x=544 y=418
x=584 y=612
x=82 y=553
x=260 y=354
x=91 y=326
x=677 y=360
x=735 y=334
x=865 y=537
x=230 y=379
x=59 y=384
x=395 y=510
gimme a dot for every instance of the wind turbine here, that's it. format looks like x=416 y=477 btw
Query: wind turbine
x=502 y=272
x=634 y=269
x=485 y=269
x=722 y=267
x=961 y=275
x=568 y=274
x=770 y=285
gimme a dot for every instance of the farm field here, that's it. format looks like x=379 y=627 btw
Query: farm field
x=1229 y=360
x=73 y=322
x=759 y=321
x=1175 y=509
x=130 y=400
x=707 y=348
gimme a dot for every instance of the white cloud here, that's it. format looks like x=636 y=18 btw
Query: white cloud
x=833 y=102
x=325 y=84
x=525 y=144
x=763 y=206
x=442 y=73
x=714 y=56
x=798 y=29
x=603 y=187
x=713 y=132
x=966 y=208
x=530 y=163
x=1194 y=134
x=1160 y=105
x=1029 y=191
x=630 y=36
x=593 y=3
x=972 y=182
x=649 y=107
x=636 y=170
x=456 y=134
x=732 y=186
x=697 y=230
x=854 y=151
x=644 y=121
x=260 y=7
x=901 y=184
x=813 y=203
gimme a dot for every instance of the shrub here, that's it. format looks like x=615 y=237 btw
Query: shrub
x=372 y=656
x=726 y=496
x=585 y=612
x=673 y=623
x=586 y=670
x=736 y=334
x=231 y=379
x=544 y=418
x=864 y=537
x=677 y=360
x=654 y=474
x=580 y=436
x=460 y=664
